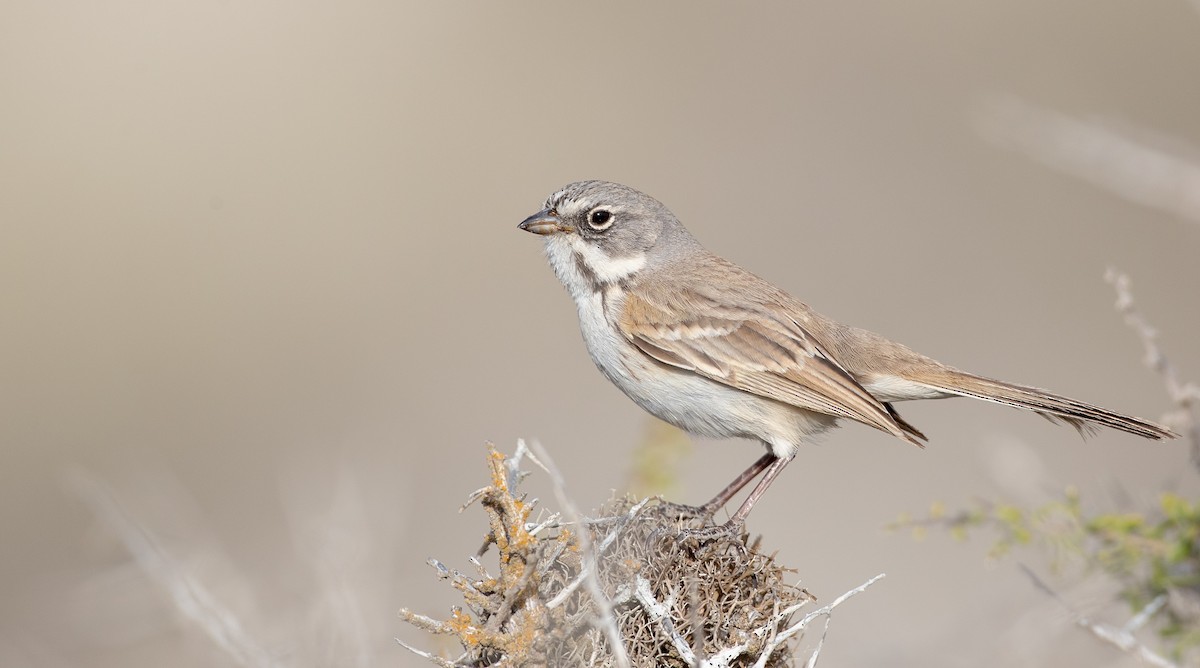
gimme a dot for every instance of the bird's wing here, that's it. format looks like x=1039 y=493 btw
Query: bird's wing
x=753 y=348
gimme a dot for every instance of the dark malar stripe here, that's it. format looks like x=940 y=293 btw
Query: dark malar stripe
x=587 y=273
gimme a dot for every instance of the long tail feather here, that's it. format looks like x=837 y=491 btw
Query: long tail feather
x=1054 y=407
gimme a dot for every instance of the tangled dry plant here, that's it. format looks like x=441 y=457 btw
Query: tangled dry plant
x=621 y=590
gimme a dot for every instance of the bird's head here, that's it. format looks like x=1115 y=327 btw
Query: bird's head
x=598 y=232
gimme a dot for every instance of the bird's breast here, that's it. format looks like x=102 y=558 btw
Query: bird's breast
x=597 y=322
x=679 y=397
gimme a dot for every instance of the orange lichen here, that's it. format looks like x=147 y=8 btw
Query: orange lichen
x=463 y=626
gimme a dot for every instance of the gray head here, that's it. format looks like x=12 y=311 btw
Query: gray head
x=598 y=232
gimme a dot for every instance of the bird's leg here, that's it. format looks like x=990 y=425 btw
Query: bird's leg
x=722 y=497
x=733 y=526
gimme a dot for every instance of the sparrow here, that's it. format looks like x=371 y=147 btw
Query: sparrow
x=709 y=347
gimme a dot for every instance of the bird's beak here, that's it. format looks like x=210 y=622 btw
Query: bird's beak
x=544 y=222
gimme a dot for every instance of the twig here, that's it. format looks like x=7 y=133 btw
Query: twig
x=586 y=572
x=698 y=635
x=816 y=654
x=606 y=619
x=1139 y=620
x=1185 y=396
x=191 y=598
x=426 y=655
x=776 y=638
x=1123 y=638
x=424 y=623
x=661 y=613
x=827 y=611
x=1131 y=168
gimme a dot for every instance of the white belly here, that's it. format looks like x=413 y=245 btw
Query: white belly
x=684 y=399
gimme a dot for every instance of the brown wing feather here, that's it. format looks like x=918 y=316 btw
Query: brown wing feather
x=756 y=351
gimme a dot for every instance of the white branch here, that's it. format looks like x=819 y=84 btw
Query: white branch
x=1129 y=167
x=725 y=657
x=1122 y=639
x=661 y=613
x=189 y=596
x=607 y=621
x=585 y=572
x=426 y=655
x=816 y=653
x=1185 y=396
x=1139 y=620
x=827 y=611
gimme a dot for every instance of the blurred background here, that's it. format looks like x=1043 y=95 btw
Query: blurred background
x=263 y=299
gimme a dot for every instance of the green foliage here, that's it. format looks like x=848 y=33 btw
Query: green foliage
x=1153 y=555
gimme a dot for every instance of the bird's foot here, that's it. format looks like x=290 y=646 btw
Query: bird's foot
x=730 y=530
x=680 y=511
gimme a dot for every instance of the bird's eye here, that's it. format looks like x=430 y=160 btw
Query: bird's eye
x=600 y=219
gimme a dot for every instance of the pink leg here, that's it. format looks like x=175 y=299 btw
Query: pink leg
x=773 y=468
x=739 y=482
x=722 y=497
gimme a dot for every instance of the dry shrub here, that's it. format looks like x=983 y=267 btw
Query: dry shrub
x=671 y=602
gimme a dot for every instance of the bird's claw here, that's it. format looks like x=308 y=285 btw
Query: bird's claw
x=680 y=511
x=727 y=531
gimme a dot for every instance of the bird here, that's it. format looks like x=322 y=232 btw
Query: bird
x=713 y=349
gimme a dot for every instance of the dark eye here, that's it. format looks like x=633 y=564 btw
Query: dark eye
x=600 y=219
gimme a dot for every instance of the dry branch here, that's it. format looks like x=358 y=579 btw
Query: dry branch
x=622 y=590
x=1185 y=396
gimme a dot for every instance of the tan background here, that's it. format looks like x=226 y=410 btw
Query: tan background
x=260 y=276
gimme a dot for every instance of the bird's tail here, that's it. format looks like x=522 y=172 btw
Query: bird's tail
x=1083 y=416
